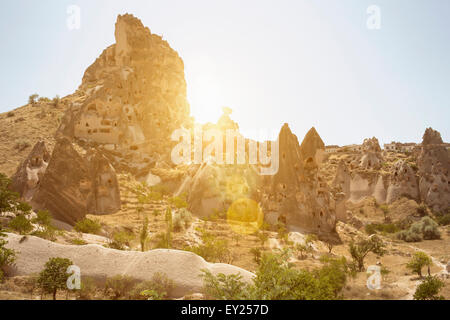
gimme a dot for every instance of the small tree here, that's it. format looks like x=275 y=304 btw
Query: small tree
x=330 y=246
x=7 y=256
x=419 y=260
x=21 y=224
x=385 y=209
x=56 y=101
x=262 y=237
x=32 y=99
x=429 y=289
x=54 y=276
x=361 y=249
x=144 y=234
x=43 y=217
x=256 y=254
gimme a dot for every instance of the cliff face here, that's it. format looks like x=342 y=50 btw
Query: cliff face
x=70 y=183
x=133 y=96
x=434 y=170
x=296 y=193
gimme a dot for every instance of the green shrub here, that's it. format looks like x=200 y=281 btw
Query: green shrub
x=158 y=288
x=426 y=229
x=7 y=256
x=120 y=286
x=87 y=290
x=361 y=249
x=54 y=276
x=78 y=242
x=276 y=280
x=121 y=240
x=88 y=226
x=419 y=260
x=21 y=224
x=212 y=249
x=381 y=227
x=43 y=217
x=182 y=219
x=224 y=287
x=32 y=98
x=429 y=289
x=178 y=201
x=444 y=220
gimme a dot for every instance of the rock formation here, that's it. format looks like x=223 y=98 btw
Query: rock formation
x=434 y=166
x=371 y=158
x=296 y=192
x=313 y=147
x=403 y=183
x=133 y=96
x=72 y=184
x=29 y=174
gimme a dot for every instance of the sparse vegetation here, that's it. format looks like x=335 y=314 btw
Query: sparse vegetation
x=121 y=240
x=21 y=224
x=179 y=201
x=182 y=219
x=22 y=145
x=54 y=276
x=361 y=249
x=212 y=249
x=373 y=228
x=277 y=280
x=32 y=99
x=88 y=226
x=429 y=289
x=119 y=286
x=7 y=256
x=143 y=237
x=425 y=229
x=158 y=288
x=419 y=260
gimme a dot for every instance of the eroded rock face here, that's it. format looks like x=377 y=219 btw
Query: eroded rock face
x=297 y=192
x=73 y=184
x=434 y=166
x=403 y=183
x=133 y=96
x=371 y=158
x=29 y=174
x=313 y=147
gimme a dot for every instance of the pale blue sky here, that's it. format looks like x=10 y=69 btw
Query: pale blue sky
x=305 y=62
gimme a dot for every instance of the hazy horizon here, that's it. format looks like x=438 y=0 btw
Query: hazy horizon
x=307 y=63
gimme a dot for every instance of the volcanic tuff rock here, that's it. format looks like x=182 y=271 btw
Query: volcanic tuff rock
x=434 y=167
x=296 y=192
x=312 y=146
x=30 y=172
x=71 y=185
x=371 y=158
x=133 y=96
x=403 y=183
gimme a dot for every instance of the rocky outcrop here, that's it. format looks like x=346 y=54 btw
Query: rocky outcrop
x=403 y=183
x=371 y=158
x=73 y=184
x=312 y=146
x=434 y=167
x=182 y=267
x=133 y=96
x=29 y=174
x=296 y=192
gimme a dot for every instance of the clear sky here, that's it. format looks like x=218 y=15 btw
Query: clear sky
x=305 y=62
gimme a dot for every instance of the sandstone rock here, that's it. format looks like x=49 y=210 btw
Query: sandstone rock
x=403 y=183
x=133 y=96
x=72 y=185
x=371 y=158
x=184 y=268
x=296 y=191
x=30 y=172
x=313 y=147
x=434 y=167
